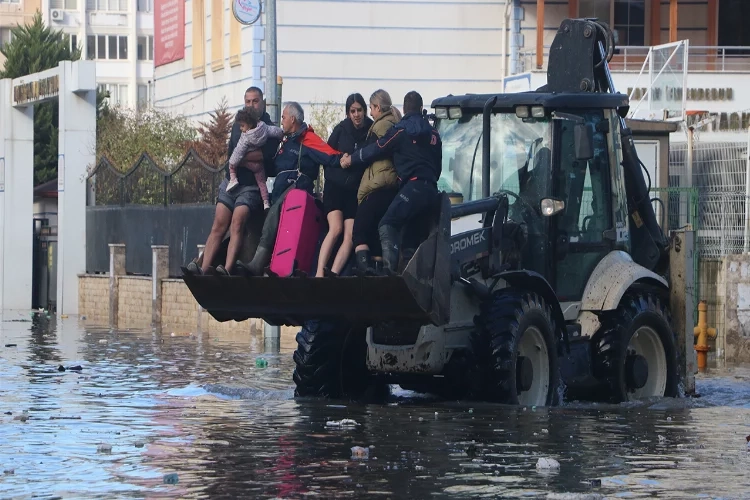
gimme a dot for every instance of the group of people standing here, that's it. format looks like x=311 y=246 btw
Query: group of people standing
x=380 y=173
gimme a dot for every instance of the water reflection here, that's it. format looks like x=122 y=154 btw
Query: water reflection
x=147 y=404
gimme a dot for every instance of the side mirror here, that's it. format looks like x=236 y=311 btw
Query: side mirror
x=583 y=136
x=552 y=206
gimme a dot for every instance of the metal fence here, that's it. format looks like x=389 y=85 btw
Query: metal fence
x=193 y=180
x=631 y=58
x=717 y=172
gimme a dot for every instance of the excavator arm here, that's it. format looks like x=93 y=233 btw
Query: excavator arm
x=578 y=62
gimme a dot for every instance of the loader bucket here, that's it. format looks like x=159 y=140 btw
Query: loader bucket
x=420 y=293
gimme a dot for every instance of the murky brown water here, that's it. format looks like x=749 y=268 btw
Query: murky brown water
x=146 y=406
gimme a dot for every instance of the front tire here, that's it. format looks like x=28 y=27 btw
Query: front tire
x=635 y=356
x=516 y=330
x=331 y=361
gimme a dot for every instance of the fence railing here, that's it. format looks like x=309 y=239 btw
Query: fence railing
x=193 y=180
x=631 y=58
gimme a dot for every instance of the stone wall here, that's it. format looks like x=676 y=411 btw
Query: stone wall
x=179 y=310
x=134 y=309
x=93 y=297
x=736 y=278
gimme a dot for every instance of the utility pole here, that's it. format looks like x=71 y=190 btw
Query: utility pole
x=271 y=80
x=271 y=333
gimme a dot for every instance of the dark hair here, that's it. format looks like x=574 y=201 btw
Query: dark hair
x=248 y=117
x=356 y=97
x=412 y=102
x=255 y=89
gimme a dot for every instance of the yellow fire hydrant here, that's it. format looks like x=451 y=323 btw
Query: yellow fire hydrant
x=703 y=332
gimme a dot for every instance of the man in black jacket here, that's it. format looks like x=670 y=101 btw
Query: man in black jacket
x=234 y=207
x=417 y=157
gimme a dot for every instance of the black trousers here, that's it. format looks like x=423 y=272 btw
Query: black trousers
x=367 y=220
x=413 y=199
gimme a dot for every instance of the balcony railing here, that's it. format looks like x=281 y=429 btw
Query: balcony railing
x=631 y=59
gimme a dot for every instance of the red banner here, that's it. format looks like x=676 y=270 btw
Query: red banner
x=169 y=31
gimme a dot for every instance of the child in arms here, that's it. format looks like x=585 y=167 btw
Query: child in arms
x=254 y=135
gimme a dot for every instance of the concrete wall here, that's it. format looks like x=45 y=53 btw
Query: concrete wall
x=736 y=279
x=93 y=297
x=134 y=309
x=180 y=313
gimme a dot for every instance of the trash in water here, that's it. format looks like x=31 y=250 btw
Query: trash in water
x=261 y=363
x=61 y=368
x=139 y=444
x=359 y=452
x=104 y=448
x=9 y=471
x=547 y=464
x=171 y=478
x=11 y=345
x=347 y=422
x=76 y=368
x=103 y=341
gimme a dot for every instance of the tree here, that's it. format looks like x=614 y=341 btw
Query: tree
x=323 y=117
x=35 y=47
x=214 y=135
x=123 y=135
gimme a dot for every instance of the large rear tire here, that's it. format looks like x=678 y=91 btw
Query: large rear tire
x=635 y=356
x=330 y=362
x=516 y=336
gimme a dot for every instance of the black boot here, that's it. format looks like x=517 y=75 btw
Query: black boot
x=389 y=240
x=260 y=261
x=363 y=261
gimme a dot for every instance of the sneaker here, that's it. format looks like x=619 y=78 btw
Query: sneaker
x=232 y=184
x=266 y=205
x=194 y=269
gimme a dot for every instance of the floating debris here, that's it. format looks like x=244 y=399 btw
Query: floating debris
x=547 y=464
x=347 y=422
x=171 y=478
x=359 y=452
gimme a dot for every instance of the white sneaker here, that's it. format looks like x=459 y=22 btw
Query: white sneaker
x=266 y=205
x=232 y=184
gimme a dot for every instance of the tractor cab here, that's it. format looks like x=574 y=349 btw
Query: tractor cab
x=552 y=156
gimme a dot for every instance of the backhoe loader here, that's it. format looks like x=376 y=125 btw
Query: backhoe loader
x=542 y=265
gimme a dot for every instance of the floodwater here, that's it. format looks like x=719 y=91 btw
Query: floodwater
x=152 y=415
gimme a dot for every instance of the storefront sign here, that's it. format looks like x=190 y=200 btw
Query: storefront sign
x=246 y=11
x=675 y=93
x=169 y=31
x=721 y=122
x=36 y=91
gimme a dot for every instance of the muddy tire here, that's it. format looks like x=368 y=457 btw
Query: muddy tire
x=516 y=339
x=636 y=355
x=330 y=362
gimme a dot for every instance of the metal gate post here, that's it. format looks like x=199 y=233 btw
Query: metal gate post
x=682 y=302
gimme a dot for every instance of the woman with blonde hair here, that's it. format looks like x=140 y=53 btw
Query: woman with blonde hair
x=378 y=187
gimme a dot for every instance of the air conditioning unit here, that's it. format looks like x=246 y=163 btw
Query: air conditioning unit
x=57 y=15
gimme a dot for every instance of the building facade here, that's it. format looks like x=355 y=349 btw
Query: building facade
x=117 y=34
x=328 y=49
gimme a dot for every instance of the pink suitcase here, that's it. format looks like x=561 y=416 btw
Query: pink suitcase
x=297 y=237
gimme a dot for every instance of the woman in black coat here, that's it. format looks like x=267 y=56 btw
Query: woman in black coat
x=340 y=190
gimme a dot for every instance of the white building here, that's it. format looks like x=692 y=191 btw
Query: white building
x=328 y=49
x=118 y=35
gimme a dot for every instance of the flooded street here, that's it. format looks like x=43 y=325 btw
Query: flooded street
x=191 y=416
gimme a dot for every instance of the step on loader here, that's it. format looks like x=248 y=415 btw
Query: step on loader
x=542 y=266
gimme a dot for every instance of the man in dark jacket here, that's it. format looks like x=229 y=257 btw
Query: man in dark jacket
x=296 y=164
x=233 y=208
x=417 y=157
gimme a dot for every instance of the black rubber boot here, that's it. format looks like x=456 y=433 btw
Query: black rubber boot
x=389 y=237
x=260 y=261
x=363 y=260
